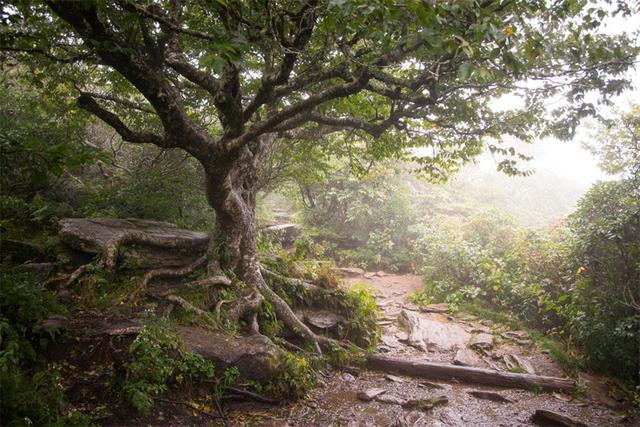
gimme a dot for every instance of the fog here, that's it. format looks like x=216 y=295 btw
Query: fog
x=562 y=171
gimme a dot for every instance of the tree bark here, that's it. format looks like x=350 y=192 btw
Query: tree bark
x=231 y=192
x=470 y=375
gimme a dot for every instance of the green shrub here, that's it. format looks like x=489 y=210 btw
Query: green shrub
x=158 y=360
x=582 y=280
x=39 y=139
x=30 y=393
x=296 y=379
x=358 y=306
x=604 y=309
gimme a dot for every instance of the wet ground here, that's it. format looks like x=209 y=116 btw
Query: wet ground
x=335 y=402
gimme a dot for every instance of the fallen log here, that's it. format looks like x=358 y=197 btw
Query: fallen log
x=469 y=375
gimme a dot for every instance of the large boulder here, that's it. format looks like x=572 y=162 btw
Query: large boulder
x=175 y=247
x=283 y=233
x=255 y=356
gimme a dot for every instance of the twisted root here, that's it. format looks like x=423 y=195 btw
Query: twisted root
x=110 y=255
x=162 y=273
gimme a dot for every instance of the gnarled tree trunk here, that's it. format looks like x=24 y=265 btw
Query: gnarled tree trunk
x=231 y=192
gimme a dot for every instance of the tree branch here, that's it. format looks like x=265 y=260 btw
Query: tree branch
x=120 y=101
x=89 y=104
x=304 y=20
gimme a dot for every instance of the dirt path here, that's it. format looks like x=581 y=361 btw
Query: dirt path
x=335 y=402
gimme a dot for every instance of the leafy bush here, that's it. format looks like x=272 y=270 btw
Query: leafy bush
x=30 y=391
x=296 y=379
x=604 y=312
x=158 y=359
x=582 y=280
x=359 y=307
x=501 y=264
x=39 y=137
x=168 y=189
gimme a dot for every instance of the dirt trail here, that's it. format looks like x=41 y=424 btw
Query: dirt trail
x=335 y=402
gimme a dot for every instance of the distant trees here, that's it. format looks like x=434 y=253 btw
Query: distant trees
x=617 y=144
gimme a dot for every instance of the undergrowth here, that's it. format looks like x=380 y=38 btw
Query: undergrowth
x=158 y=360
x=30 y=390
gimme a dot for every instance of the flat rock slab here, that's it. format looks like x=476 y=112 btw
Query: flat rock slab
x=520 y=337
x=481 y=341
x=435 y=308
x=523 y=335
x=427 y=331
x=489 y=395
x=466 y=357
x=514 y=362
x=370 y=393
x=390 y=399
x=426 y=404
x=545 y=417
x=283 y=233
x=176 y=247
x=322 y=319
x=393 y=378
x=256 y=356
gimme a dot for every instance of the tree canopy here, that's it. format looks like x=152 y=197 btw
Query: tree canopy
x=211 y=77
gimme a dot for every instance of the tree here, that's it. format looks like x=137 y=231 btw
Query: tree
x=229 y=81
x=604 y=312
x=618 y=144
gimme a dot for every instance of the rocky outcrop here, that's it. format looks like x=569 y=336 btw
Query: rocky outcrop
x=427 y=333
x=165 y=245
x=481 y=341
x=255 y=356
x=321 y=319
x=283 y=233
x=466 y=357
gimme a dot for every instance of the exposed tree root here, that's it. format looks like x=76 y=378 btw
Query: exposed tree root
x=288 y=317
x=254 y=326
x=77 y=273
x=204 y=283
x=218 y=309
x=309 y=287
x=209 y=281
x=320 y=340
x=241 y=306
x=190 y=307
x=110 y=255
x=291 y=347
x=162 y=273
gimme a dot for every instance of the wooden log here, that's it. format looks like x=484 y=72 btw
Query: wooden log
x=469 y=375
